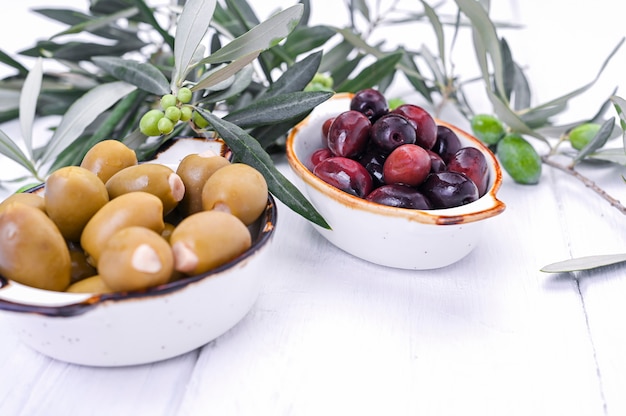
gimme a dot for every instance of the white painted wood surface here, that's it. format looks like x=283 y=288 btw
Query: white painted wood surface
x=334 y=335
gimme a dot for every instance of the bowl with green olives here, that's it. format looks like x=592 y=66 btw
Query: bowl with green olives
x=398 y=187
x=115 y=262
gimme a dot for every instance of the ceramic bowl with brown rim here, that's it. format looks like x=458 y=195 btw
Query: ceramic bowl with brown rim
x=387 y=235
x=143 y=326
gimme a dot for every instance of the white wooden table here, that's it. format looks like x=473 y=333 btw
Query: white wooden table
x=334 y=335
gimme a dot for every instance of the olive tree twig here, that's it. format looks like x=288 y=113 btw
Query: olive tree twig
x=586 y=181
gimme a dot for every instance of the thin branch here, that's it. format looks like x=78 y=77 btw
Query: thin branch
x=586 y=181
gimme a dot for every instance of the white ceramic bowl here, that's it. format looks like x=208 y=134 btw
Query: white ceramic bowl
x=145 y=326
x=390 y=236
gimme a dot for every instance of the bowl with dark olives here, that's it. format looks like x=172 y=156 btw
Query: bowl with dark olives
x=115 y=262
x=397 y=187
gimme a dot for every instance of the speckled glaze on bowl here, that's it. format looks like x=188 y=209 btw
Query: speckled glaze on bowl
x=130 y=328
x=390 y=236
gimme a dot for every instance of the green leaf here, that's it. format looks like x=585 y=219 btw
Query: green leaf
x=336 y=56
x=598 y=140
x=191 y=28
x=82 y=113
x=307 y=38
x=511 y=119
x=370 y=76
x=7 y=60
x=584 y=263
x=620 y=106
x=9 y=149
x=277 y=108
x=225 y=72
x=242 y=80
x=609 y=155
x=260 y=37
x=438 y=28
x=143 y=75
x=249 y=151
x=485 y=33
x=296 y=77
x=28 y=103
x=94 y=24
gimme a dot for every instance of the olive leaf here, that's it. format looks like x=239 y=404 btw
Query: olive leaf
x=82 y=113
x=9 y=149
x=249 y=151
x=371 y=75
x=296 y=77
x=620 y=106
x=597 y=141
x=193 y=24
x=94 y=24
x=223 y=73
x=144 y=75
x=260 y=37
x=486 y=37
x=277 y=108
x=28 y=103
x=584 y=263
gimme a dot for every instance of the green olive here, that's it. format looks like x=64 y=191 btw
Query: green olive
x=32 y=250
x=108 y=157
x=237 y=188
x=582 y=134
x=194 y=170
x=154 y=178
x=487 y=128
x=134 y=208
x=92 y=284
x=73 y=195
x=135 y=258
x=520 y=159
x=81 y=268
x=28 y=198
x=208 y=239
x=148 y=124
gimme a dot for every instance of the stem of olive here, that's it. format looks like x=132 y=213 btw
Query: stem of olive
x=586 y=181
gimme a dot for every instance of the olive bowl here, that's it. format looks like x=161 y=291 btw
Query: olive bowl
x=139 y=327
x=389 y=236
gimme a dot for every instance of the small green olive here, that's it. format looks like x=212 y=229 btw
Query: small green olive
x=237 y=188
x=520 y=159
x=194 y=170
x=149 y=123
x=28 y=198
x=198 y=120
x=108 y=157
x=72 y=196
x=582 y=134
x=134 y=208
x=184 y=95
x=157 y=179
x=168 y=100
x=135 y=258
x=92 y=284
x=186 y=112
x=32 y=250
x=208 y=239
x=489 y=129
x=165 y=125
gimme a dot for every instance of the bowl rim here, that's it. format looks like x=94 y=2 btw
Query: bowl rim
x=486 y=206
x=72 y=304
